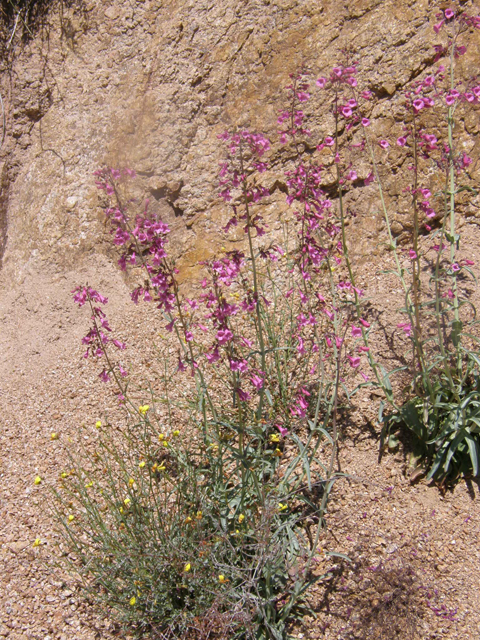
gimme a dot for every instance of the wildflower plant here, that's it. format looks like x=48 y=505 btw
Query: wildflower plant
x=266 y=355
x=441 y=410
x=201 y=516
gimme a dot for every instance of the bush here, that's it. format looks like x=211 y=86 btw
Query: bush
x=215 y=532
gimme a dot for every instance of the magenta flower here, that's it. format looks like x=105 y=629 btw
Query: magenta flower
x=321 y=82
x=470 y=262
x=283 y=431
x=364 y=322
x=224 y=336
x=455 y=266
x=438 y=26
x=384 y=144
x=329 y=142
x=412 y=254
x=346 y=111
x=169 y=326
x=104 y=377
x=256 y=381
x=354 y=361
x=406 y=326
x=243 y=395
x=214 y=356
x=401 y=141
x=238 y=365
x=449 y=14
x=356 y=331
x=418 y=104
x=365 y=122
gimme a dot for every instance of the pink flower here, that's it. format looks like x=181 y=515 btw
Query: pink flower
x=401 y=141
x=418 y=104
x=438 y=26
x=256 y=381
x=243 y=395
x=449 y=14
x=364 y=322
x=224 y=336
x=214 y=356
x=169 y=326
x=123 y=373
x=470 y=262
x=181 y=366
x=412 y=254
x=354 y=361
x=365 y=122
x=283 y=431
x=356 y=331
x=406 y=326
x=455 y=267
x=384 y=144
x=238 y=365
x=321 y=82
x=329 y=142
x=346 y=111
x=351 y=175
x=104 y=376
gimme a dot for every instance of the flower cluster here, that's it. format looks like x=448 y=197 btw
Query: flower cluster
x=142 y=238
x=97 y=338
x=293 y=117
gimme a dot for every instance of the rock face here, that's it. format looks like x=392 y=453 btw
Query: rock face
x=150 y=85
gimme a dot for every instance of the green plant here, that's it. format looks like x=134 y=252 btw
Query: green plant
x=445 y=431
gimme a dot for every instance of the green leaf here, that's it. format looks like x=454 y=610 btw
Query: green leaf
x=473 y=451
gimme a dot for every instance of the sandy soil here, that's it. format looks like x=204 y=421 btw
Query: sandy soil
x=410 y=532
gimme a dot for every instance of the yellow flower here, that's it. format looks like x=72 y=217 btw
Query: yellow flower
x=38 y=480
x=278 y=452
x=241 y=518
x=187 y=567
x=121 y=509
x=132 y=601
x=71 y=518
x=63 y=474
x=54 y=436
x=222 y=579
x=142 y=464
x=98 y=424
x=161 y=436
x=188 y=520
x=155 y=467
x=161 y=467
x=131 y=482
x=282 y=507
x=142 y=409
x=199 y=515
x=165 y=443
x=90 y=484
x=176 y=433
x=37 y=542
x=274 y=438
x=126 y=502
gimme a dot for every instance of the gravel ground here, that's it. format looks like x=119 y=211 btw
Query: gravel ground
x=377 y=516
